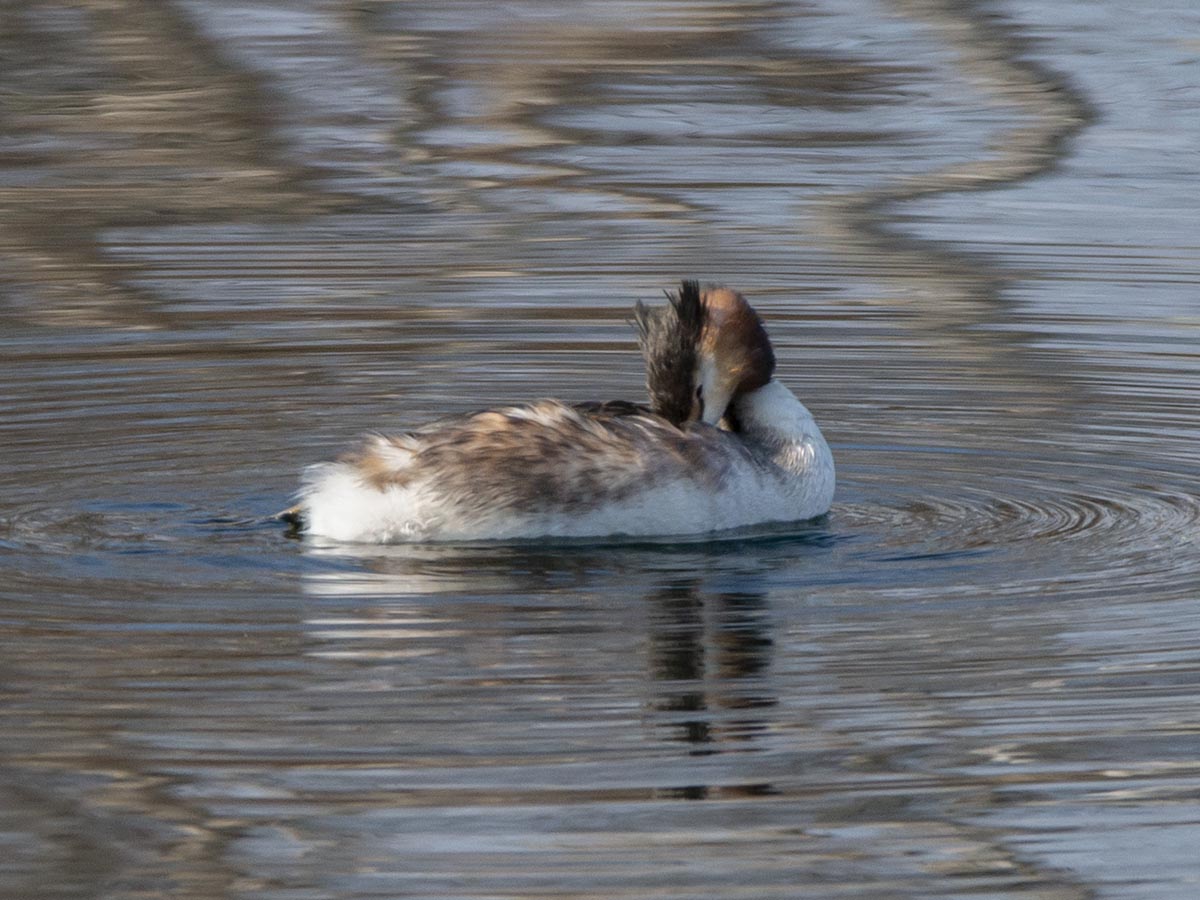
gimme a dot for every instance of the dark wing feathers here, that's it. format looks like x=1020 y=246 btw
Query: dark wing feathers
x=548 y=456
x=612 y=408
x=668 y=337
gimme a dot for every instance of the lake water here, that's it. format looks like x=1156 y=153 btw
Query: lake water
x=235 y=236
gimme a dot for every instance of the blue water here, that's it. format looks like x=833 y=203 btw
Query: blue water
x=236 y=236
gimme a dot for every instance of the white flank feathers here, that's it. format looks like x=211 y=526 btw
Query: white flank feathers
x=777 y=469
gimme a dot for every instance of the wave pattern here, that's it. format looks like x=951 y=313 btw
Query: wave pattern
x=235 y=238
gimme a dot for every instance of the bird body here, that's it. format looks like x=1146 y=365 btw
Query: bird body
x=727 y=446
x=549 y=469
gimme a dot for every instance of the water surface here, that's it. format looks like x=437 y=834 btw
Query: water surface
x=236 y=236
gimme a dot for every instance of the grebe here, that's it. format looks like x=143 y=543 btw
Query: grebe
x=724 y=445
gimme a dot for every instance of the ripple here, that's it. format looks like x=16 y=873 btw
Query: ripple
x=236 y=240
x=1034 y=522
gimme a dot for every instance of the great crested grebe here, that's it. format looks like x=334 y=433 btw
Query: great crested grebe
x=724 y=445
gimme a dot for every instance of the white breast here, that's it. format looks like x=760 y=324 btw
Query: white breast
x=342 y=507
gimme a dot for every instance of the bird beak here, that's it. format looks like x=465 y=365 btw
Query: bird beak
x=716 y=391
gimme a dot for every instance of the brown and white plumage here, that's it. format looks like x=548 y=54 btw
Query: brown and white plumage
x=596 y=469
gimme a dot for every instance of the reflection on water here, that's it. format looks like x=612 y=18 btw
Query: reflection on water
x=237 y=235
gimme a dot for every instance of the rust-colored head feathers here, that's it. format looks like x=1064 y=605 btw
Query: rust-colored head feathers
x=704 y=348
x=735 y=339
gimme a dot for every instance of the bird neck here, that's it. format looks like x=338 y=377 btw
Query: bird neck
x=773 y=414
